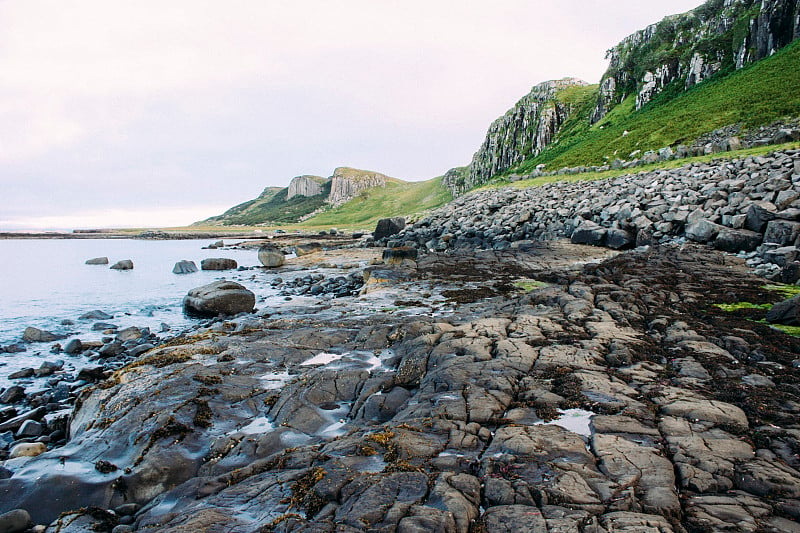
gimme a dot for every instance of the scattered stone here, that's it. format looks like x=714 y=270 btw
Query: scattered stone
x=786 y=312
x=125 y=264
x=96 y=315
x=27 y=449
x=16 y=521
x=97 y=261
x=219 y=298
x=21 y=374
x=32 y=334
x=13 y=394
x=74 y=346
x=387 y=227
x=271 y=256
x=308 y=248
x=218 y=263
x=401 y=255
x=30 y=428
x=184 y=267
x=589 y=232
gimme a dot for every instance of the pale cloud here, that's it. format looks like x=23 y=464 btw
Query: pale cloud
x=112 y=103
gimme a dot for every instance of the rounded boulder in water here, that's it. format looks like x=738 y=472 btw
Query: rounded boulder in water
x=219 y=298
x=184 y=267
x=15 y=521
x=270 y=256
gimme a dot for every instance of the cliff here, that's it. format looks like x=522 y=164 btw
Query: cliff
x=347 y=183
x=684 y=50
x=305 y=186
x=522 y=132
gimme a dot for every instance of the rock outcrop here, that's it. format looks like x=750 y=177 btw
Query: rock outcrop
x=305 y=186
x=689 y=48
x=521 y=133
x=347 y=183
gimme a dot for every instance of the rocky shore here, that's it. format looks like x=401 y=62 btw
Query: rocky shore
x=548 y=387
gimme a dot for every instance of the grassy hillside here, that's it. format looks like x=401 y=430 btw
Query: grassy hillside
x=398 y=198
x=756 y=95
x=271 y=208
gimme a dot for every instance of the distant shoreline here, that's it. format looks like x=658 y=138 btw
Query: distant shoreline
x=126 y=234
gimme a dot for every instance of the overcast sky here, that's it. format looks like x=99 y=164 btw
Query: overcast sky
x=154 y=113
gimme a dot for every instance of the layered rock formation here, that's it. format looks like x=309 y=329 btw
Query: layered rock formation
x=521 y=133
x=689 y=48
x=305 y=186
x=347 y=183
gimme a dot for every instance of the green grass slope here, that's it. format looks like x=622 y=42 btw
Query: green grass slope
x=759 y=94
x=398 y=198
x=271 y=208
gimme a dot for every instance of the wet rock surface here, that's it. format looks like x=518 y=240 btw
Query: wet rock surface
x=567 y=388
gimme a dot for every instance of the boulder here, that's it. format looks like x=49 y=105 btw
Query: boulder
x=219 y=298
x=12 y=394
x=308 y=248
x=15 y=521
x=184 y=267
x=786 y=312
x=125 y=264
x=589 y=232
x=218 y=263
x=32 y=334
x=782 y=232
x=703 y=230
x=388 y=226
x=74 y=346
x=400 y=255
x=618 y=239
x=758 y=216
x=27 y=449
x=97 y=261
x=270 y=256
x=96 y=315
x=736 y=240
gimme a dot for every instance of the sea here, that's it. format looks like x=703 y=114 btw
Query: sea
x=45 y=283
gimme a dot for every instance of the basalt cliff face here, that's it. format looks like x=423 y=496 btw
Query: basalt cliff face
x=522 y=132
x=305 y=186
x=690 y=48
x=347 y=183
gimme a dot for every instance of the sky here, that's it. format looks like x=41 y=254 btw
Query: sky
x=152 y=113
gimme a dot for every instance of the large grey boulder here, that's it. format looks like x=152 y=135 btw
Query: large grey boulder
x=218 y=263
x=589 y=233
x=786 y=312
x=97 y=261
x=184 y=267
x=219 y=298
x=270 y=256
x=783 y=232
x=388 y=226
x=703 y=230
x=32 y=334
x=618 y=239
x=15 y=521
x=737 y=240
x=125 y=264
x=758 y=215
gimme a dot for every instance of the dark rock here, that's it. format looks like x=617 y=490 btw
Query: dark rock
x=91 y=373
x=399 y=255
x=786 y=312
x=184 y=267
x=97 y=261
x=387 y=227
x=96 y=315
x=782 y=232
x=759 y=214
x=590 y=233
x=15 y=521
x=21 y=374
x=102 y=326
x=16 y=422
x=32 y=334
x=619 y=239
x=790 y=273
x=74 y=346
x=129 y=333
x=218 y=263
x=5 y=473
x=219 y=298
x=13 y=394
x=307 y=248
x=270 y=256
x=703 y=231
x=112 y=349
x=736 y=240
x=125 y=264
x=30 y=428
x=781 y=256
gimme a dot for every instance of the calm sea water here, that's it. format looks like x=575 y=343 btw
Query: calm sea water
x=45 y=282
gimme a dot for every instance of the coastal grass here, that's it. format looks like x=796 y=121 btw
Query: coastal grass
x=755 y=95
x=396 y=199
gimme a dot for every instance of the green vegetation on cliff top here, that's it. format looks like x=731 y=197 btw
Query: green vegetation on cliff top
x=758 y=94
x=398 y=198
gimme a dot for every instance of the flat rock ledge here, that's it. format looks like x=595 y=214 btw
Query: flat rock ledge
x=607 y=398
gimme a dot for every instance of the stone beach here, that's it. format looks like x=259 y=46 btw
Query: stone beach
x=489 y=375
